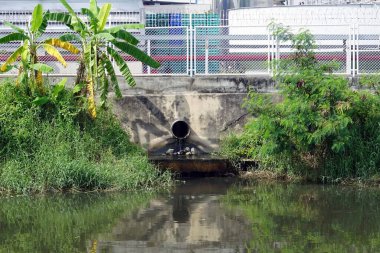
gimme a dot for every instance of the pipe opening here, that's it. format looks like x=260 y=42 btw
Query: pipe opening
x=180 y=129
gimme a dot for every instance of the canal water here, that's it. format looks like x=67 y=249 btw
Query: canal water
x=199 y=215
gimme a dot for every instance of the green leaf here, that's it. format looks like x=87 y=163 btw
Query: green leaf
x=68 y=7
x=136 y=53
x=41 y=100
x=111 y=72
x=59 y=17
x=105 y=36
x=124 y=69
x=8 y=68
x=42 y=67
x=69 y=37
x=126 y=36
x=37 y=18
x=12 y=58
x=77 y=88
x=103 y=83
x=94 y=7
x=13 y=37
x=58 y=88
x=76 y=23
x=103 y=16
x=117 y=28
x=16 y=28
x=43 y=26
x=91 y=16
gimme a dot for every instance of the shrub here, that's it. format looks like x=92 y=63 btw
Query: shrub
x=321 y=128
x=56 y=146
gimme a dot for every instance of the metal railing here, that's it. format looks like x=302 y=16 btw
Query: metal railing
x=232 y=50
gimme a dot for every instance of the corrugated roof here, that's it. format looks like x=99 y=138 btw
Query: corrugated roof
x=25 y=5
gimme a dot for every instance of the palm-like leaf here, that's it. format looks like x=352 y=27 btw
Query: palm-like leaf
x=126 y=36
x=93 y=19
x=103 y=16
x=105 y=36
x=64 y=45
x=94 y=7
x=42 y=67
x=55 y=53
x=117 y=28
x=124 y=69
x=43 y=25
x=14 y=27
x=12 y=58
x=103 y=81
x=59 y=17
x=13 y=37
x=111 y=72
x=136 y=53
x=37 y=18
x=70 y=37
x=76 y=23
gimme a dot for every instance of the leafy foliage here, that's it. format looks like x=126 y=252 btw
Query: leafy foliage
x=321 y=129
x=30 y=70
x=95 y=69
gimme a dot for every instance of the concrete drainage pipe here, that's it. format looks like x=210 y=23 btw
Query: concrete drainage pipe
x=180 y=129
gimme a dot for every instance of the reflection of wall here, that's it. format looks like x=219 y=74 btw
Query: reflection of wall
x=158 y=229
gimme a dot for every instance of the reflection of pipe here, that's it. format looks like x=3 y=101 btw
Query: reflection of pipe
x=180 y=129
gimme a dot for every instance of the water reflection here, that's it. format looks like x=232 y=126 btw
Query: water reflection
x=307 y=218
x=191 y=219
x=64 y=223
x=217 y=215
x=202 y=215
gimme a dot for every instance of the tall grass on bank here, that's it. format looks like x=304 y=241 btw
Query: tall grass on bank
x=56 y=146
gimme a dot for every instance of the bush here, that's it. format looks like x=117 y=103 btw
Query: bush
x=321 y=128
x=56 y=146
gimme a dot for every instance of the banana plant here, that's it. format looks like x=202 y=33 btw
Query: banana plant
x=30 y=69
x=101 y=46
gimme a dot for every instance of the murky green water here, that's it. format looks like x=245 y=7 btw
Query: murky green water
x=201 y=215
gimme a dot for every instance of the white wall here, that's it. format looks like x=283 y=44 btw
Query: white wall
x=306 y=15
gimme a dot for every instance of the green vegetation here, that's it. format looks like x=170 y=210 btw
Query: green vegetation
x=307 y=218
x=63 y=223
x=48 y=142
x=99 y=46
x=30 y=70
x=57 y=146
x=320 y=129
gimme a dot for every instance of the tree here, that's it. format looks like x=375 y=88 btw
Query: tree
x=99 y=46
x=30 y=69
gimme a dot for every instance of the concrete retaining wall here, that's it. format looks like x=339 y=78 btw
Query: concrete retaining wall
x=212 y=107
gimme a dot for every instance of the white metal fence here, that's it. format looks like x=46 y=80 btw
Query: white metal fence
x=233 y=50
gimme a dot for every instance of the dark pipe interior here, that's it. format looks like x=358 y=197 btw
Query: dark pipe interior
x=180 y=129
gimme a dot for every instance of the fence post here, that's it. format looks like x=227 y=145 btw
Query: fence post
x=191 y=35
x=356 y=26
x=148 y=52
x=206 y=57
x=348 y=51
x=187 y=51
x=270 y=54
x=354 y=45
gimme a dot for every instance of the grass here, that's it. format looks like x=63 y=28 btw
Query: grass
x=57 y=147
